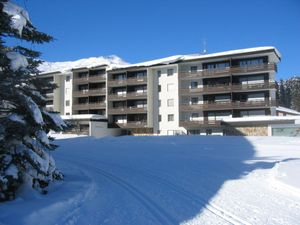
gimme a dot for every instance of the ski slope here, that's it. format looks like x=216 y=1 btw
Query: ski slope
x=168 y=180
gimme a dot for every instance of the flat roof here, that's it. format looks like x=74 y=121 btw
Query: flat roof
x=261 y=119
x=287 y=110
x=193 y=57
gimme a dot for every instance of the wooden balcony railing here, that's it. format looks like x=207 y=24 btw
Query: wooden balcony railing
x=227 y=88
x=254 y=104
x=127 y=110
x=82 y=93
x=133 y=124
x=97 y=105
x=227 y=105
x=129 y=81
x=97 y=78
x=116 y=96
x=128 y=95
x=227 y=71
x=93 y=105
x=199 y=123
x=90 y=79
x=206 y=89
x=257 y=86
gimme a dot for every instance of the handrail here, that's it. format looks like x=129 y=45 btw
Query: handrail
x=227 y=105
x=227 y=87
x=228 y=70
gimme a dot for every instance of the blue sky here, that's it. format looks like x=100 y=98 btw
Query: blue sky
x=139 y=30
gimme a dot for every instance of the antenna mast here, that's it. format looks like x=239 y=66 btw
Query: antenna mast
x=204 y=47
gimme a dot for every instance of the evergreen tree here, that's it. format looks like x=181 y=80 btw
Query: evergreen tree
x=293 y=85
x=277 y=91
x=24 y=122
x=281 y=94
x=288 y=93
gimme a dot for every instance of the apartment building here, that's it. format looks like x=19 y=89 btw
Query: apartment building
x=127 y=102
x=185 y=94
x=89 y=91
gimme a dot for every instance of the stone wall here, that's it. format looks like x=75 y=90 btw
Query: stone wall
x=247 y=130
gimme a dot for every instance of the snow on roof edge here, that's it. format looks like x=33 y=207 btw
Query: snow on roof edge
x=261 y=118
x=284 y=109
x=116 y=63
x=91 y=62
x=177 y=58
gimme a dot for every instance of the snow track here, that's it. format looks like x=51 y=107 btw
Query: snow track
x=158 y=212
x=218 y=211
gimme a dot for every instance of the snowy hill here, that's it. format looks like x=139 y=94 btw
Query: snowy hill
x=112 y=61
x=168 y=180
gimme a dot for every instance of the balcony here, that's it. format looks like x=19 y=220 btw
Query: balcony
x=227 y=88
x=257 y=86
x=206 y=89
x=206 y=106
x=90 y=79
x=116 y=97
x=227 y=105
x=254 y=104
x=133 y=124
x=97 y=78
x=129 y=81
x=89 y=92
x=127 y=110
x=199 y=123
x=92 y=105
x=97 y=105
x=186 y=75
x=129 y=95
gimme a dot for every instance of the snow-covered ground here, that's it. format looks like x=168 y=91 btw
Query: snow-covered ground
x=168 y=180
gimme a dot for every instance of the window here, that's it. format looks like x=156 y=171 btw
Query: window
x=67 y=91
x=49 y=102
x=216 y=65
x=194 y=69
x=68 y=103
x=119 y=77
x=170 y=72
x=68 y=78
x=170 y=87
x=247 y=113
x=97 y=72
x=83 y=74
x=159 y=88
x=141 y=75
x=194 y=132
x=251 y=62
x=67 y=114
x=194 y=84
x=222 y=98
x=253 y=79
x=159 y=118
x=170 y=117
x=194 y=101
x=208 y=131
x=170 y=102
x=194 y=116
x=158 y=73
x=159 y=103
